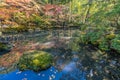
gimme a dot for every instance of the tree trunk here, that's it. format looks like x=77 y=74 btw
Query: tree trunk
x=87 y=11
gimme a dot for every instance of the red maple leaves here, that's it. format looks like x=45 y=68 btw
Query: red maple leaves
x=15 y=6
x=52 y=10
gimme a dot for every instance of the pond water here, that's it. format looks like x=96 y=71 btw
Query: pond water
x=50 y=74
x=87 y=64
x=69 y=71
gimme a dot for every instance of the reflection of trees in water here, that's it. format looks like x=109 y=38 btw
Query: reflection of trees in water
x=98 y=65
x=13 y=37
x=74 y=74
x=5 y=70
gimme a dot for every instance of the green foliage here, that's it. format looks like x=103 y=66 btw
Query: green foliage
x=40 y=21
x=74 y=44
x=104 y=19
x=116 y=9
x=20 y=18
x=103 y=38
x=115 y=43
x=103 y=45
x=94 y=36
x=37 y=19
x=80 y=38
x=37 y=60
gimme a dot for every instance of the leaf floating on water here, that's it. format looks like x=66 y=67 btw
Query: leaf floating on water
x=24 y=79
x=91 y=72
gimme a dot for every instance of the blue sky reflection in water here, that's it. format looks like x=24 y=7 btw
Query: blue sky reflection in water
x=50 y=74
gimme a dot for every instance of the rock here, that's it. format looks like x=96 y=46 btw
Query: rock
x=113 y=62
x=36 y=60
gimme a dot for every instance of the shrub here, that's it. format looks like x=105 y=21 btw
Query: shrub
x=103 y=45
x=115 y=43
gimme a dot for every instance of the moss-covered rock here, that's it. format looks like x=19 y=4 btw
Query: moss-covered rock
x=36 y=60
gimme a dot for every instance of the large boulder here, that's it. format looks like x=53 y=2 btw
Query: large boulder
x=36 y=61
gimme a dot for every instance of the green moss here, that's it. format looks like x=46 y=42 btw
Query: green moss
x=37 y=60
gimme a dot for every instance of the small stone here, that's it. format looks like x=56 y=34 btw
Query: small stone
x=101 y=61
x=107 y=71
x=113 y=62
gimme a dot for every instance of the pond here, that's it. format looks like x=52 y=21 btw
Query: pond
x=50 y=74
x=86 y=64
x=68 y=70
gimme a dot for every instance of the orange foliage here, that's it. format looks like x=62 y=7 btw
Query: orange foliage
x=51 y=9
x=15 y=6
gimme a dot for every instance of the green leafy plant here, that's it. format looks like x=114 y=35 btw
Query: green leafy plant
x=115 y=43
x=94 y=36
x=104 y=45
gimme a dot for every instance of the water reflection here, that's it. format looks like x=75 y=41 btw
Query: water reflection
x=69 y=68
x=66 y=60
x=69 y=71
x=49 y=74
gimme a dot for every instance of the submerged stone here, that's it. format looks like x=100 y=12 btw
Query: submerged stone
x=4 y=48
x=36 y=61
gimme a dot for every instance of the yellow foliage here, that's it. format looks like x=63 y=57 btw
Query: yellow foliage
x=118 y=41
x=110 y=36
x=83 y=32
x=36 y=62
x=23 y=66
x=99 y=41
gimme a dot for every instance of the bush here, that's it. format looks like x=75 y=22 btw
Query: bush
x=115 y=43
x=105 y=40
x=103 y=45
x=94 y=36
